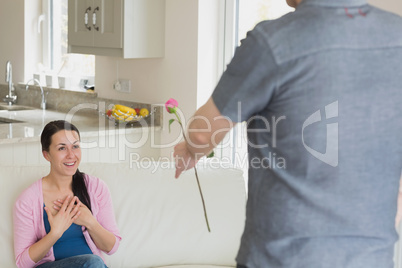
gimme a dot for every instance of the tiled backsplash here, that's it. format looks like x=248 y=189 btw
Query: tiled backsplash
x=64 y=100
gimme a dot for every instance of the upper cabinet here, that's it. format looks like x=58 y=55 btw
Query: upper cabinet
x=121 y=28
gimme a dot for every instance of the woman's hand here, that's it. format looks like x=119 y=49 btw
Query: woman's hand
x=85 y=219
x=103 y=239
x=66 y=215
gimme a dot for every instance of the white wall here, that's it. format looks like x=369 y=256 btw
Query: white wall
x=12 y=38
x=18 y=23
x=390 y=5
x=157 y=80
x=190 y=61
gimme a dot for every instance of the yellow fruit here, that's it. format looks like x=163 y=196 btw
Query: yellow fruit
x=124 y=109
x=118 y=116
x=121 y=112
x=144 y=112
x=129 y=118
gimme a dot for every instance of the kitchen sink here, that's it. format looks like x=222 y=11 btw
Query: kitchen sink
x=9 y=121
x=5 y=107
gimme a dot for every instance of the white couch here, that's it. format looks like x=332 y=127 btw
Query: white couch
x=160 y=218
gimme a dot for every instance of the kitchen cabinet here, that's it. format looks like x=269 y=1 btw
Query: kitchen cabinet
x=120 y=28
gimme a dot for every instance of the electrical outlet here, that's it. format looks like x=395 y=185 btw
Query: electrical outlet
x=122 y=85
x=117 y=86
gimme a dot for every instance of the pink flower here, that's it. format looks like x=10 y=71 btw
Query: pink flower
x=171 y=105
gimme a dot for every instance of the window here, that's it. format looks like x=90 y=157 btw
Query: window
x=251 y=12
x=77 y=69
x=241 y=16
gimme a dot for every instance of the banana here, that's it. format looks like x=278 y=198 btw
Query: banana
x=129 y=118
x=119 y=117
x=124 y=109
x=124 y=113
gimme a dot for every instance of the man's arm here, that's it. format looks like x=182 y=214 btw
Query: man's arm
x=206 y=130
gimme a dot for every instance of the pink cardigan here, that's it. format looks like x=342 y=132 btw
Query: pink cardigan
x=29 y=226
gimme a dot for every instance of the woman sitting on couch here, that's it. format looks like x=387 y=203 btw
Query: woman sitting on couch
x=65 y=219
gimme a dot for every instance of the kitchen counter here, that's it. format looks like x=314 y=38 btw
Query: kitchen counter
x=101 y=140
x=90 y=124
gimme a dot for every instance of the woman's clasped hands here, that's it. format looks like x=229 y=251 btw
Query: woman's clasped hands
x=85 y=216
x=66 y=214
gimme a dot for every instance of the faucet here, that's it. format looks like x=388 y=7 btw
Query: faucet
x=10 y=98
x=43 y=102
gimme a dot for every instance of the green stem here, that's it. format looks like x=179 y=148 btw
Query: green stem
x=198 y=181
x=202 y=199
x=178 y=119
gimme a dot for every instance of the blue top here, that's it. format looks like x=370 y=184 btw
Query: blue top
x=321 y=90
x=71 y=243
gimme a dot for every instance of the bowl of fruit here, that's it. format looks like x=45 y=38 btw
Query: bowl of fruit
x=124 y=114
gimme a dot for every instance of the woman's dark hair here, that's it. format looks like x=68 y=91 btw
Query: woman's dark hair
x=79 y=185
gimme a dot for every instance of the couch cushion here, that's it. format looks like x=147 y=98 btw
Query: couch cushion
x=160 y=218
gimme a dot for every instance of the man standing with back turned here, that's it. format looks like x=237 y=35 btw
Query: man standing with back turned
x=321 y=88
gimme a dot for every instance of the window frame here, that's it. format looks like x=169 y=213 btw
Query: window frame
x=53 y=60
x=229 y=41
x=45 y=20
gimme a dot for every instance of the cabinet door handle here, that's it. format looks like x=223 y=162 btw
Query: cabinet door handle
x=94 y=19
x=86 y=17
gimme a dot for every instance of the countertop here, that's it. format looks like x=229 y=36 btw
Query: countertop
x=89 y=124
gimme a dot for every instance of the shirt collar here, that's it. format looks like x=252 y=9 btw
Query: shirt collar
x=334 y=3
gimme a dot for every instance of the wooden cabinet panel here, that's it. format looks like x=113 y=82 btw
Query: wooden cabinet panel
x=109 y=19
x=80 y=14
x=128 y=29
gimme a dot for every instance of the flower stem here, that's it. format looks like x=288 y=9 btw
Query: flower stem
x=178 y=120
x=202 y=199
x=198 y=181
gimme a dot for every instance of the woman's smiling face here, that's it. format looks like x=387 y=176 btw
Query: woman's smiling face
x=64 y=153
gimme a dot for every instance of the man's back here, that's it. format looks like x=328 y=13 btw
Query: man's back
x=332 y=100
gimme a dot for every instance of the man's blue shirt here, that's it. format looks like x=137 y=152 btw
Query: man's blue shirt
x=321 y=91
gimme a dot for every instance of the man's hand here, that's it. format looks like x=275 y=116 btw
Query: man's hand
x=184 y=159
x=202 y=142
